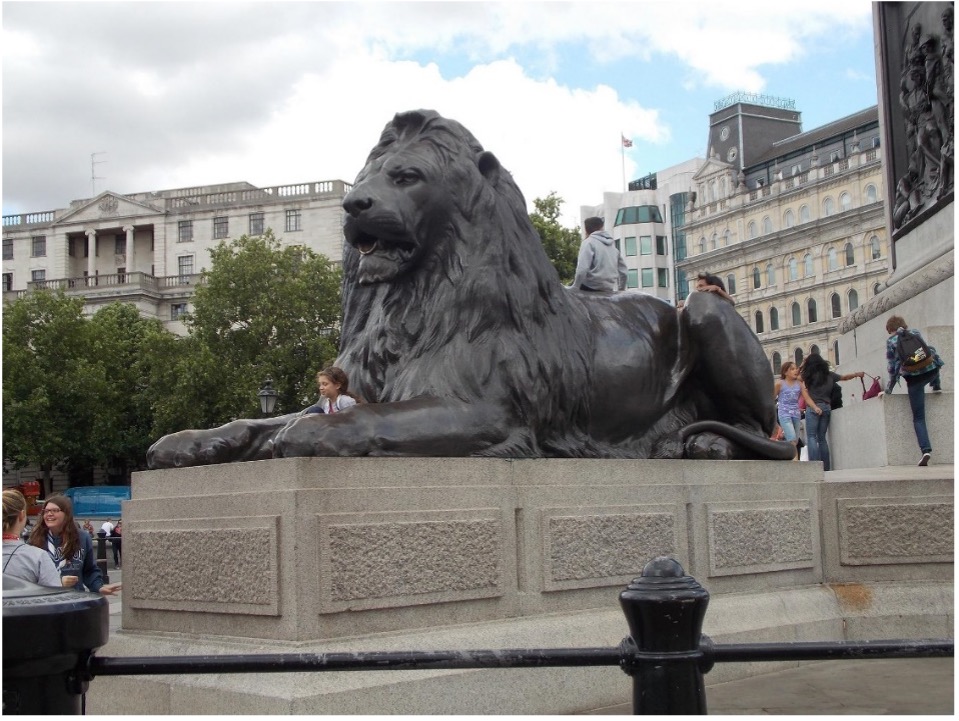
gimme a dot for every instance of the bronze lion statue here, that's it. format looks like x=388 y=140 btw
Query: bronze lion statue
x=457 y=331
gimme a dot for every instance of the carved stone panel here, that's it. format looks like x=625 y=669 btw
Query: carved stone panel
x=604 y=546
x=883 y=531
x=760 y=537
x=395 y=559
x=226 y=565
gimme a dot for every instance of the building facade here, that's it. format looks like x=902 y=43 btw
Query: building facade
x=642 y=221
x=793 y=222
x=149 y=249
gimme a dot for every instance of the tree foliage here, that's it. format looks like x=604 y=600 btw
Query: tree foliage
x=263 y=310
x=561 y=244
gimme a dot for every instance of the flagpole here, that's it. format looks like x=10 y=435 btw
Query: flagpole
x=622 y=150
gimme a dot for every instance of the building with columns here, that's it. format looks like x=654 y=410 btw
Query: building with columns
x=792 y=221
x=150 y=248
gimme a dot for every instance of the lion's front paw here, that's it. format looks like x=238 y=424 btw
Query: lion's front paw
x=709 y=446
x=188 y=448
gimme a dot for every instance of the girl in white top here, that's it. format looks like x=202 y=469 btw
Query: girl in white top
x=19 y=559
x=334 y=390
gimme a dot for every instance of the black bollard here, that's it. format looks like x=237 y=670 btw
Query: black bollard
x=48 y=636
x=665 y=609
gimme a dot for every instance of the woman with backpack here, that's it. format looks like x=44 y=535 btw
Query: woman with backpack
x=908 y=355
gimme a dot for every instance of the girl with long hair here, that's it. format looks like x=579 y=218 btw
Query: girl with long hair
x=787 y=391
x=70 y=547
x=818 y=381
x=334 y=388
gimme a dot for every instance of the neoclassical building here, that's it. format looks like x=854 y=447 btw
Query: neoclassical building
x=793 y=221
x=149 y=248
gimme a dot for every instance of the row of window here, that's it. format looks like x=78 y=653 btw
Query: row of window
x=789 y=219
x=38 y=247
x=798 y=355
x=809 y=271
x=221 y=225
x=812 y=311
x=645 y=245
x=645 y=276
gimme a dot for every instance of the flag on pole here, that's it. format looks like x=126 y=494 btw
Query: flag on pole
x=627 y=143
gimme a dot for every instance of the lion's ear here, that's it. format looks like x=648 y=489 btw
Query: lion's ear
x=488 y=165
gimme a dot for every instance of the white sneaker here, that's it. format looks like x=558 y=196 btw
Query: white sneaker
x=924 y=461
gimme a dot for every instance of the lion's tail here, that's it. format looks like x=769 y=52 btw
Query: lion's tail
x=761 y=445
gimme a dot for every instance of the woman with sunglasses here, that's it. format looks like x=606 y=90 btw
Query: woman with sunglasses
x=70 y=547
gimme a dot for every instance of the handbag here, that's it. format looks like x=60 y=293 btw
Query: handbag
x=874 y=390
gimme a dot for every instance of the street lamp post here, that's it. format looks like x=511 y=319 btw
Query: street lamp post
x=267 y=397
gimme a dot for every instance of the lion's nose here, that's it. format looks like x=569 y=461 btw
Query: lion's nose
x=355 y=203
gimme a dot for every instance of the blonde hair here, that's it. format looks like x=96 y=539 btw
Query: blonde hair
x=14 y=504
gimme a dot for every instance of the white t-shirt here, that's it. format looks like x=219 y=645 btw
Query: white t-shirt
x=342 y=402
x=107 y=528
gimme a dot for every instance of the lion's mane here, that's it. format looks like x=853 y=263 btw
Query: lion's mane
x=482 y=315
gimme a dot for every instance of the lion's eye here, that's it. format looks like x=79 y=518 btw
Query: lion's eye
x=406 y=177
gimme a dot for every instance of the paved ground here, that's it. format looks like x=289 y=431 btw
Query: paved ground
x=871 y=687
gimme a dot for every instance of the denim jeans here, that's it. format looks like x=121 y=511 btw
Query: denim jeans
x=916 y=386
x=790 y=427
x=816 y=428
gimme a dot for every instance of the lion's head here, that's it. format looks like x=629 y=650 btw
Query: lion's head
x=403 y=205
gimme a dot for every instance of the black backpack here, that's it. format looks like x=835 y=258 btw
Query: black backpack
x=914 y=355
x=835 y=396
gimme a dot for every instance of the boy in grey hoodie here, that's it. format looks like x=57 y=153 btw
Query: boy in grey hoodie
x=600 y=265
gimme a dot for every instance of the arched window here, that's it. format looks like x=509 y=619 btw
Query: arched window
x=788 y=219
x=712 y=241
x=731 y=284
x=722 y=188
x=850 y=255
x=797 y=356
x=875 y=289
x=845 y=202
x=797 y=314
x=767 y=225
x=770 y=274
x=835 y=351
x=871 y=195
x=777 y=364
x=726 y=238
x=757 y=278
x=811 y=310
x=834 y=305
x=803 y=213
x=833 y=259
x=773 y=318
x=827 y=207
x=759 y=321
x=808 y=270
x=751 y=229
x=875 y=247
x=853 y=300
x=814 y=350
x=712 y=191
x=793 y=269
x=702 y=244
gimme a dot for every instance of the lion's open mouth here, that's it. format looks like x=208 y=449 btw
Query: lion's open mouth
x=367 y=244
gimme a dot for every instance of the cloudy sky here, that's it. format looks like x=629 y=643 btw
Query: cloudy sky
x=176 y=94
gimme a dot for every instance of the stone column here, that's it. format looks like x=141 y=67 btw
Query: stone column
x=91 y=256
x=131 y=252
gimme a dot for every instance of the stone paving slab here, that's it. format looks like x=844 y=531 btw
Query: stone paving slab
x=874 y=687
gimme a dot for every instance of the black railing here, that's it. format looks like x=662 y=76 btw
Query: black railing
x=666 y=653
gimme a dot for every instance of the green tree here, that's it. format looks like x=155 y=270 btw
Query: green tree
x=51 y=388
x=126 y=345
x=263 y=310
x=561 y=244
